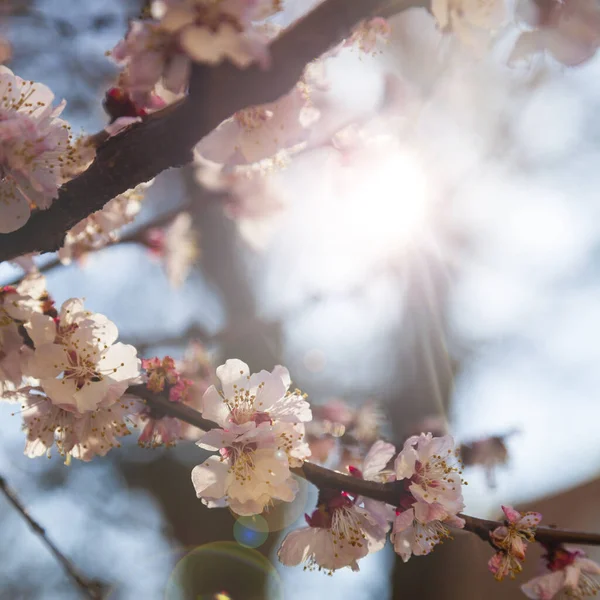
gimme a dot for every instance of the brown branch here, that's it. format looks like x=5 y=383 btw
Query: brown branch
x=92 y=588
x=384 y=492
x=165 y=139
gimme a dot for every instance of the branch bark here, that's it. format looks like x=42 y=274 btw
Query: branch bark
x=384 y=492
x=165 y=139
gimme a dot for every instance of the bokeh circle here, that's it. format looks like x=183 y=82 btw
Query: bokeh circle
x=221 y=570
x=251 y=532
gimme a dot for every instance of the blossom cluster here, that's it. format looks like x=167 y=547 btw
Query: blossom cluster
x=179 y=32
x=511 y=541
x=35 y=148
x=260 y=438
x=71 y=376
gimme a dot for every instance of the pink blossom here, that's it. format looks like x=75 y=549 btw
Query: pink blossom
x=568 y=570
x=160 y=373
x=418 y=529
x=517 y=530
x=165 y=431
x=34 y=148
x=190 y=30
x=76 y=435
x=432 y=470
x=339 y=533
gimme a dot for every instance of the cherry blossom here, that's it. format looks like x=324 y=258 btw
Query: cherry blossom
x=432 y=481
x=374 y=469
x=76 y=435
x=260 y=132
x=262 y=436
x=190 y=30
x=79 y=366
x=471 y=20
x=339 y=533
x=431 y=468
x=421 y=527
x=162 y=430
x=18 y=304
x=569 y=570
x=511 y=539
x=34 y=149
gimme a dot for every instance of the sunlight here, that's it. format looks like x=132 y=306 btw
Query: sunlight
x=386 y=205
x=374 y=212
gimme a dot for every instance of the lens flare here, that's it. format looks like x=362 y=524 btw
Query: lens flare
x=223 y=570
x=251 y=532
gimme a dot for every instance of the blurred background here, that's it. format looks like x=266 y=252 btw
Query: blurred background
x=454 y=287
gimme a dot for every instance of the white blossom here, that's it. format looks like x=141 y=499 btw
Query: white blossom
x=339 y=533
x=34 y=148
x=262 y=436
x=418 y=529
x=432 y=468
x=79 y=366
x=76 y=435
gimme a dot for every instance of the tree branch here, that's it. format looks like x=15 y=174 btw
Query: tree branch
x=384 y=492
x=92 y=588
x=131 y=237
x=165 y=139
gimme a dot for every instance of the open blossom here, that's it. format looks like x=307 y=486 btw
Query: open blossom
x=34 y=147
x=511 y=540
x=431 y=468
x=418 y=529
x=374 y=469
x=568 y=570
x=17 y=305
x=262 y=436
x=339 y=533
x=190 y=30
x=79 y=366
x=471 y=20
x=76 y=435
x=434 y=495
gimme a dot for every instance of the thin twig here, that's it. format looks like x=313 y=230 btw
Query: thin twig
x=131 y=237
x=92 y=588
x=384 y=492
